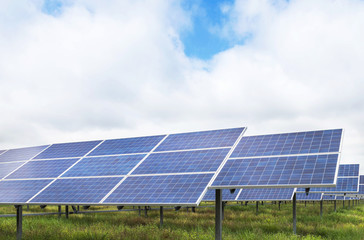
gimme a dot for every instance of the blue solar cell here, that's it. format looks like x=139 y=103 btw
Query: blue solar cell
x=127 y=145
x=340 y=197
x=104 y=166
x=6 y=168
x=81 y=190
x=20 y=191
x=67 y=150
x=348 y=170
x=186 y=161
x=361 y=179
x=289 y=143
x=42 y=169
x=266 y=194
x=343 y=185
x=272 y=171
x=205 y=139
x=165 y=189
x=226 y=195
x=21 y=154
x=309 y=197
x=361 y=189
x=329 y=197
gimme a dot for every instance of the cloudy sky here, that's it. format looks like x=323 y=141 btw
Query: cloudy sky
x=87 y=69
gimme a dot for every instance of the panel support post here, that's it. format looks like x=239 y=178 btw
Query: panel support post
x=139 y=210
x=223 y=210
x=305 y=203
x=161 y=216
x=19 y=221
x=67 y=211
x=334 y=205
x=256 y=207
x=59 y=211
x=321 y=208
x=294 y=213
x=146 y=211
x=279 y=205
x=343 y=203
x=349 y=203
x=218 y=214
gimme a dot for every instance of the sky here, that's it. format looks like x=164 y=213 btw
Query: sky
x=74 y=70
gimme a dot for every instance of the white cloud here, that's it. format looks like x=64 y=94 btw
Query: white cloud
x=115 y=69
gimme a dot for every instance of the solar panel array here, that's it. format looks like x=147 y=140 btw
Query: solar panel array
x=162 y=170
x=361 y=185
x=347 y=181
x=306 y=159
x=266 y=194
x=309 y=197
x=226 y=195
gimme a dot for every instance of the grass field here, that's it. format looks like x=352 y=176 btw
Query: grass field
x=241 y=222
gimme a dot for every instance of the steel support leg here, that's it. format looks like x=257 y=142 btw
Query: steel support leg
x=161 y=216
x=67 y=211
x=279 y=205
x=223 y=210
x=146 y=211
x=139 y=210
x=256 y=207
x=343 y=203
x=334 y=205
x=321 y=202
x=218 y=214
x=59 y=211
x=305 y=203
x=349 y=203
x=294 y=213
x=19 y=221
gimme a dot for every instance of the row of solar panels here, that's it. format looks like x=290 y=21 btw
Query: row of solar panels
x=167 y=169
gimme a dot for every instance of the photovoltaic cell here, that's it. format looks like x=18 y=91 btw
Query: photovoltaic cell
x=205 y=139
x=226 y=195
x=266 y=194
x=67 y=150
x=104 y=166
x=272 y=171
x=289 y=143
x=309 y=197
x=6 y=168
x=42 y=169
x=127 y=145
x=340 y=197
x=164 y=189
x=343 y=185
x=361 y=189
x=20 y=191
x=328 y=197
x=348 y=170
x=361 y=179
x=82 y=190
x=186 y=161
x=21 y=154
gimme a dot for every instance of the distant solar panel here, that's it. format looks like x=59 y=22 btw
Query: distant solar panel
x=226 y=195
x=21 y=154
x=309 y=197
x=163 y=189
x=82 y=190
x=308 y=170
x=20 y=191
x=104 y=166
x=197 y=140
x=6 y=168
x=340 y=198
x=361 y=189
x=186 y=161
x=348 y=170
x=328 y=197
x=42 y=169
x=68 y=150
x=266 y=194
x=361 y=179
x=289 y=143
x=127 y=145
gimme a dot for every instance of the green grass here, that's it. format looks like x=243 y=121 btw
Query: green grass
x=241 y=222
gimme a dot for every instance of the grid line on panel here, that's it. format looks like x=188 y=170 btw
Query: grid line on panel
x=24 y=163
x=131 y=171
x=223 y=163
x=322 y=141
x=3 y=151
x=61 y=174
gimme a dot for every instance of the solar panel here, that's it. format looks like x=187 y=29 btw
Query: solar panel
x=6 y=168
x=266 y=194
x=226 y=195
x=81 y=190
x=309 y=197
x=183 y=189
x=68 y=150
x=186 y=161
x=21 y=154
x=2 y=151
x=348 y=170
x=361 y=189
x=20 y=191
x=127 y=145
x=204 y=139
x=340 y=198
x=361 y=179
x=289 y=143
x=42 y=169
x=308 y=170
x=329 y=197
x=104 y=166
